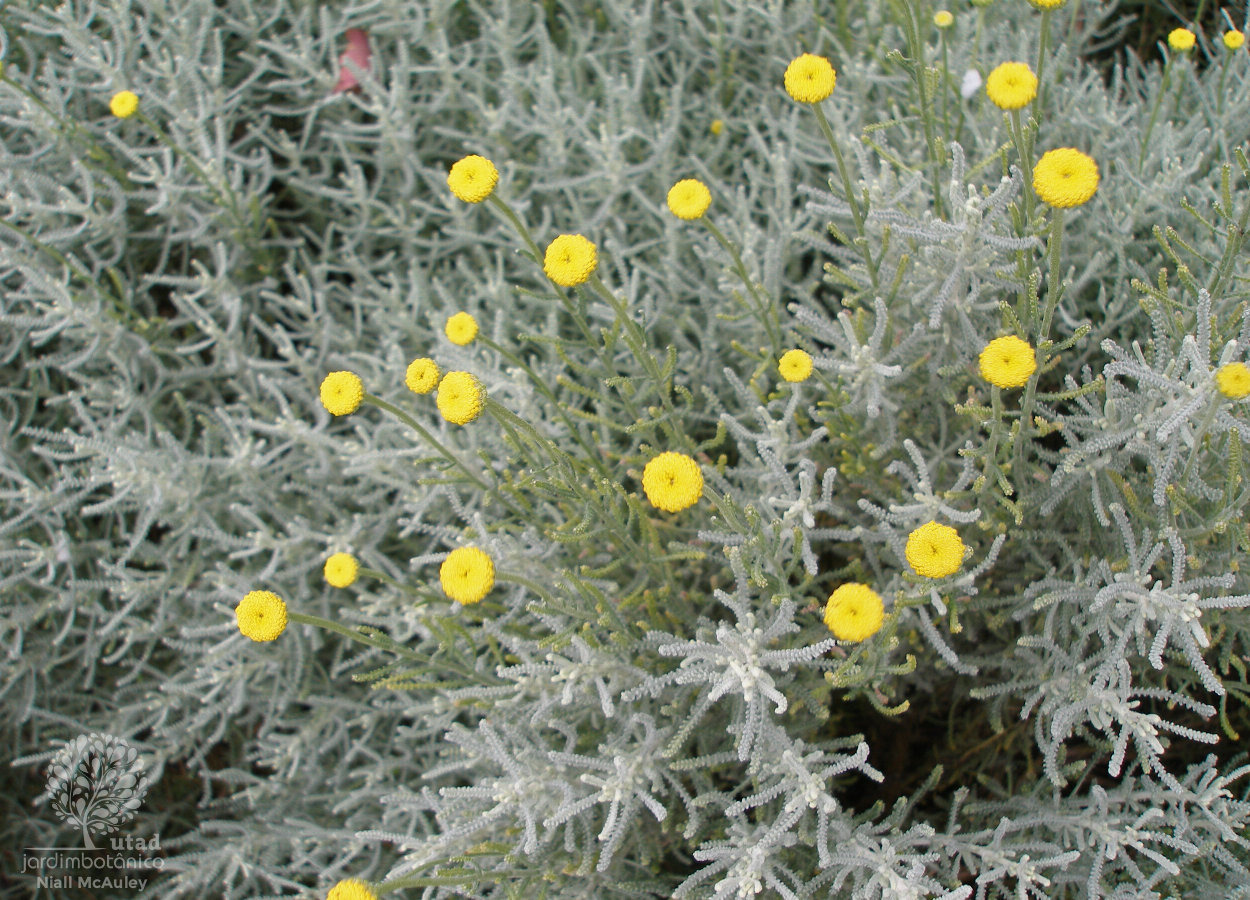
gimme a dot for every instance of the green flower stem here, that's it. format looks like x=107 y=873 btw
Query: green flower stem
x=1043 y=43
x=846 y=180
x=505 y=416
x=407 y=589
x=1054 y=293
x=765 y=312
x=1164 y=86
x=120 y=312
x=1213 y=407
x=1025 y=152
x=504 y=208
x=648 y=362
x=946 y=89
x=591 y=455
x=451 y=457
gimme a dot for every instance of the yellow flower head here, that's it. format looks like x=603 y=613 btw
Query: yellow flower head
x=716 y=127
x=810 y=79
x=1234 y=40
x=854 y=612
x=672 y=482
x=1007 y=362
x=935 y=551
x=351 y=889
x=1181 y=39
x=1233 y=380
x=1012 y=85
x=943 y=19
x=461 y=328
x=795 y=365
x=422 y=375
x=473 y=178
x=467 y=575
x=124 y=104
x=689 y=199
x=340 y=570
x=1047 y=4
x=570 y=259
x=460 y=397
x=341 y=393
x=261 y=615
x=1065 y=177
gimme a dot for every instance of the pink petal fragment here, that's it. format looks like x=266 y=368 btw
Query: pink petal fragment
x=358 y=53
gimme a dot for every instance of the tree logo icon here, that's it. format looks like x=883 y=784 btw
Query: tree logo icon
x=96 y=782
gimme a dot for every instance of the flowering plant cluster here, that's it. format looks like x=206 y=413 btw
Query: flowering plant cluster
x=500 y=449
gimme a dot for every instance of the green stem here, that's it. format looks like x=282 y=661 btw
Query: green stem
x=1154 y=113
x=1054 y=292
x=644 y=356
x=1213 y=407
x=764 y=312
x=512 y=217
x=1025 y=153
x=856 y=214
x=1042 y=47
x=504 y=415
x=591 y=455
x=946 y=89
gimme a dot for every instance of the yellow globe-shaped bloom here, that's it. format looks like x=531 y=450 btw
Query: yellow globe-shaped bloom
x=717 y=126
x=672 y=482
x=854 y=612
x=1007 y=362
x=460 y=397
x=467 y=575
x=795 y=365
x=1047 y=4
x=461 y=328
x=342 y=392
x=570 y=260
x=935 y=551
x=422 y=375
x=340 y=569
x=1233 y=380
x=473 y=178
x=351 y=889
x=261 y=615
x=809 y=78
x=1234 y=40
x=1065 y=177
x=1181 y=39
x=943 y=18
x=124 y=104
x=1012 y=85
x=689 y=199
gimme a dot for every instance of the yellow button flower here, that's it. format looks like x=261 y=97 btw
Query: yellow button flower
x=689 y=199
x=1047 y=4
x=351 y=889
x=1234 y=40
x=461 y=328
x=1007 y=362
x=570 y=260
x=261 y=615
x=943 y=19
x=1181 y=39
x=422 y=375
x=1012 y=85
x=1233 y=380
x=124 y=104
x=473 y=178
x=460 y=397
x=935 y=551
x=810 y=79
x=1065 y=177
x=716 y=127
x=340 y=569
x=342 y=392
x=672 y=482
x=467 y=575
x=854 y=612
x=795 y=365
